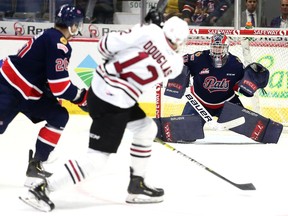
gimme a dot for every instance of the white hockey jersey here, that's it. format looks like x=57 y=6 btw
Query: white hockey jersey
x=134 y=62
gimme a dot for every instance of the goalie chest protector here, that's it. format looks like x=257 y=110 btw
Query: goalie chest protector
x=256 y=127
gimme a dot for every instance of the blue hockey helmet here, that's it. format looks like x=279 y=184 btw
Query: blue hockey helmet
x=67 y=16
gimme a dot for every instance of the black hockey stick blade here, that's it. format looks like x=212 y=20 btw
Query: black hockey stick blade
x=247 y=186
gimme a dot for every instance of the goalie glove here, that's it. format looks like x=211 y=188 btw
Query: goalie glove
x=255 y=76
x=81 y=99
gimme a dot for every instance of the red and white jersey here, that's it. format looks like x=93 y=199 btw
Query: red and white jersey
x=134 y=62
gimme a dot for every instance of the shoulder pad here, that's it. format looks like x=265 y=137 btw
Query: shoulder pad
x=197 y=54
x=63 y=40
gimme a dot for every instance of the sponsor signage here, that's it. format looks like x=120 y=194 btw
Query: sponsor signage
x=8 y=28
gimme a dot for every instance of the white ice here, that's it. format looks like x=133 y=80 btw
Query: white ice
x=189 y=189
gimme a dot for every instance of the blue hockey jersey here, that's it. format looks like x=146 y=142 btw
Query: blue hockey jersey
x=213 y=86
x=40 y=64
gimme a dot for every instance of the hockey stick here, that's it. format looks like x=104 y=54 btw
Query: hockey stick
x=161 y=5
x=247 y=186
x=209 y=119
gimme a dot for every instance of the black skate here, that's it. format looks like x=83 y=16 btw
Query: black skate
x=34 y=171
x=140 y=193
x=38 y=199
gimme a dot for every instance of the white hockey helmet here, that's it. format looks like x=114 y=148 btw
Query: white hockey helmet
x=176 y=31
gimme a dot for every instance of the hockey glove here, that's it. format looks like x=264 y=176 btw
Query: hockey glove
x=256 y=76
x=81 y=99
x=155 y=16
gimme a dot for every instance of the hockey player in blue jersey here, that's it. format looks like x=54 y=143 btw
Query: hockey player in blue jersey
x=217 y=78
x=32 y=80
x=216 y=74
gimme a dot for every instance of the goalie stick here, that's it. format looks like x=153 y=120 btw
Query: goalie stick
x=247 y=186
x=209 y=119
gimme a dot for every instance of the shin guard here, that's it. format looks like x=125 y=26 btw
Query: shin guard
x=180 y=129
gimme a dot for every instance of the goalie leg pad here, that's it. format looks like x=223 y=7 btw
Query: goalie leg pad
x=180 y=129
x=256 y=127
x=273 y=132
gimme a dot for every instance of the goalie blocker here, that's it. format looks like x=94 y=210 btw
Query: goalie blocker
x=180 y=129
x=256 y=127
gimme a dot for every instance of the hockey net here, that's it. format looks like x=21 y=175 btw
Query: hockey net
x=268 y=47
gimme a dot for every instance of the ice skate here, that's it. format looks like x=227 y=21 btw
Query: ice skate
x=140 y=193
x=37 y=197
x=34 y=171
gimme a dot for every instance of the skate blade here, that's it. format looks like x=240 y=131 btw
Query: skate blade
x=40 y=205
x=143 y=199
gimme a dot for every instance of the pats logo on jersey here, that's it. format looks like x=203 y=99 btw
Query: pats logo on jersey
x=212 y=84
x=204 y=71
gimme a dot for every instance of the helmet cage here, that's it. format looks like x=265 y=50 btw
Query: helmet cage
x=219 y=49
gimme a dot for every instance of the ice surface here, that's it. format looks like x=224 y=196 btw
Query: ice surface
x=189 y=189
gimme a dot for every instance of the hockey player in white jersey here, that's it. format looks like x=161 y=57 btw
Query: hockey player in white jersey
x=134 y=62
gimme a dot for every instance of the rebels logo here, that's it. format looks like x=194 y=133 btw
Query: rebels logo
x=93 y=30
x=19 y=29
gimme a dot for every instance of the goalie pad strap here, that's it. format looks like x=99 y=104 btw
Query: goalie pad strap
x=180 y=129
x=256 y=127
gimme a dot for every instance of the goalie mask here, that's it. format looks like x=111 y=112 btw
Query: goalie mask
x=68 y=16
x=219 y=45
